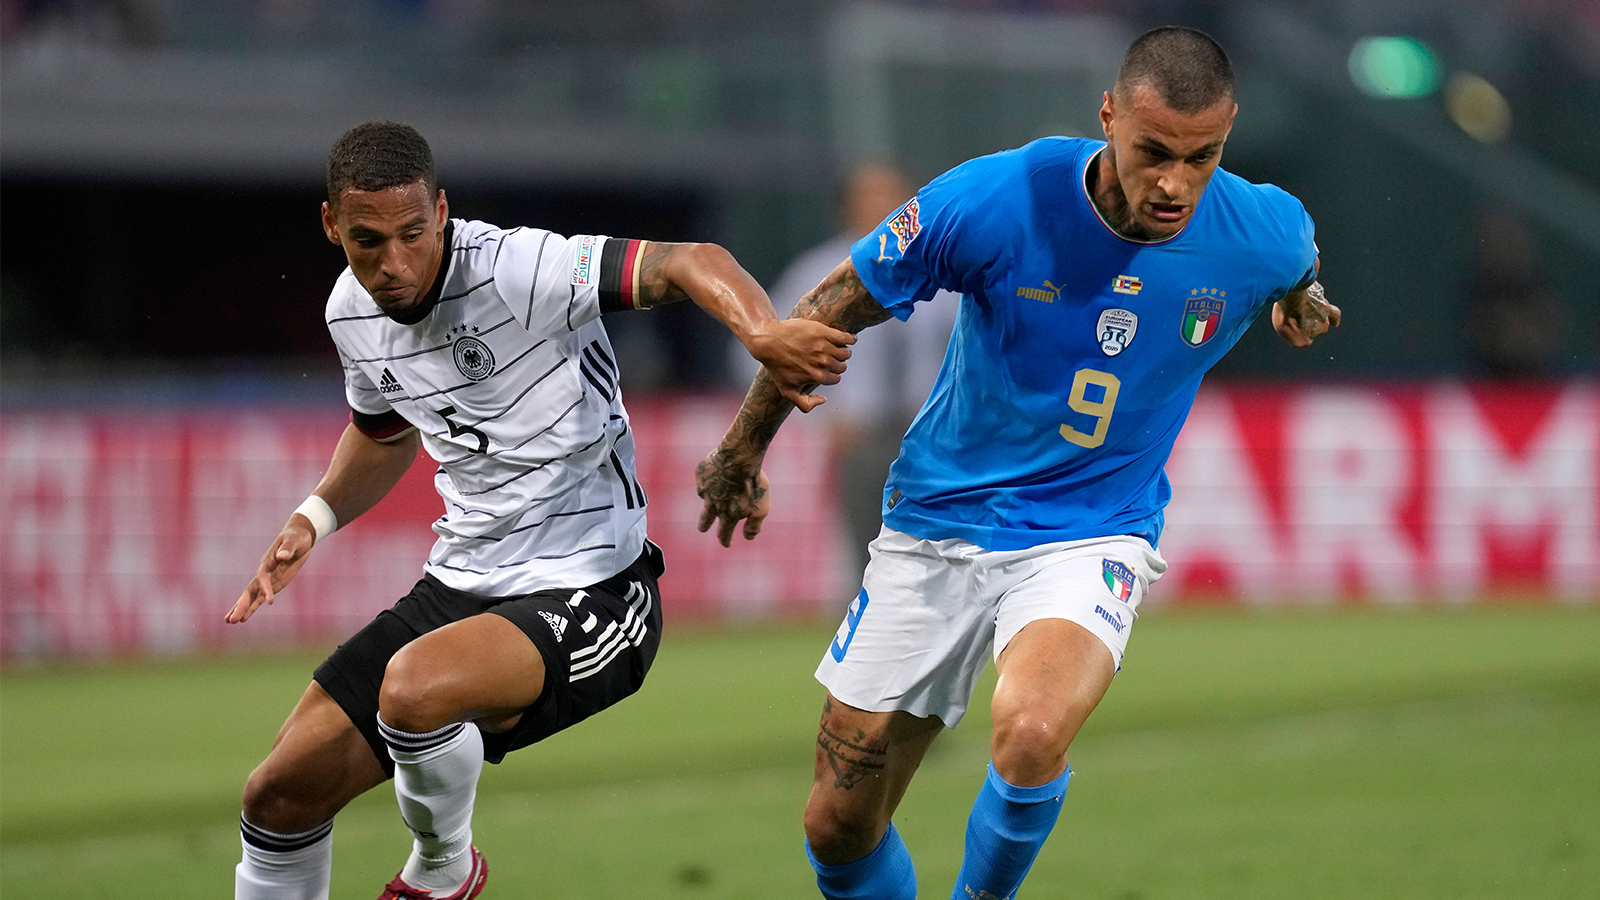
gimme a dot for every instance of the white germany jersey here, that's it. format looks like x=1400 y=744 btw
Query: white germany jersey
x=512 y=383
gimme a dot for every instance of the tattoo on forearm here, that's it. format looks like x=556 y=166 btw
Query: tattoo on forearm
x=852 y=758
x=841 y=300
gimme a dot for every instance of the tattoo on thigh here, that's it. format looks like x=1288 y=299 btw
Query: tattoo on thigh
x=851 y=758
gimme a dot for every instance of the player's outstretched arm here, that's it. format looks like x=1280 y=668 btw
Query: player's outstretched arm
x=362 y=472
x=1303 y=316
x=799 y=354
x=730 y=480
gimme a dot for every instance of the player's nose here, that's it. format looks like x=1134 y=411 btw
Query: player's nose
x=392 y=262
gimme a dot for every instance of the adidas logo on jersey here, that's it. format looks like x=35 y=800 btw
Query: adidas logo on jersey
x=557 y=623
x=387 y=383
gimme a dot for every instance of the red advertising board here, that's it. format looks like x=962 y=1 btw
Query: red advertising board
x=1439 y=491
x=132 y=530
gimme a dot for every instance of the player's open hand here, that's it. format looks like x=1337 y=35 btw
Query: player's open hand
x=732 y=490
x=801 y=354
x=278 y=567
x=1303 y=316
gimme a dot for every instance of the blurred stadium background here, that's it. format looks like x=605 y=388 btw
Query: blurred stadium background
x=1384 y=549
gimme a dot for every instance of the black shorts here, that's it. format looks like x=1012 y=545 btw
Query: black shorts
x=597 y=643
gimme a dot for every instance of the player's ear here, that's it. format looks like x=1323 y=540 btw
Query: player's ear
x=442 y=209
x=1108 y=113
x=328 y=227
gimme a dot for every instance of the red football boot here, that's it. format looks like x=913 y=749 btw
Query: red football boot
x=476 y=879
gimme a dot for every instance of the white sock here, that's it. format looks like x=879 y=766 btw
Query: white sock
x=284 y=866
x=436 y=781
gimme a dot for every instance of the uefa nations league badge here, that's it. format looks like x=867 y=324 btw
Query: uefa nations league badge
x=1115 y=330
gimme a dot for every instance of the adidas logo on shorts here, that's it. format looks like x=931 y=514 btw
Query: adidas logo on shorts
x=557 y=623
x=387 y=383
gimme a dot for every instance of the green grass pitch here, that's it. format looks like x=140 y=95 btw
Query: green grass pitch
x=1333 y=753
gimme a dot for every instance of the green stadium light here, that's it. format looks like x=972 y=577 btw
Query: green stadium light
x=1394 y=67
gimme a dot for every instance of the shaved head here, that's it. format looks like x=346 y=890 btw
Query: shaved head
x=1186 y=69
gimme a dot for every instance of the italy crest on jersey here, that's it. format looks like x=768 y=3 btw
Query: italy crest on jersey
x=1119 y=578
x=1201 y=319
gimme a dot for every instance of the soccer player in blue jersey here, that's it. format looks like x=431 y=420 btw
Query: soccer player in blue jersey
x=1099 y=282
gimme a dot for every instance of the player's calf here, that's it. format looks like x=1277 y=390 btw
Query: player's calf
x=839 y=831
x=318 y=764
x=864 y=761
x=433 y=690
x=1053 y=673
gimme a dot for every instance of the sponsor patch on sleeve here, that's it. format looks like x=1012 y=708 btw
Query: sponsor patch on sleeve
x=584 y=269
x=906 y=225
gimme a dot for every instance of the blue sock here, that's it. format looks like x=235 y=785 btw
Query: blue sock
x=1007 y=827
x=884 y=874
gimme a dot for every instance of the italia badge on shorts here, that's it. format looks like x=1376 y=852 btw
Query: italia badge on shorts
x=1203 y=316
x=1119 y=578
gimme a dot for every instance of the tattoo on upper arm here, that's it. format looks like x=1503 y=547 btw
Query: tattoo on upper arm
x=655 y=288
x=841 y=300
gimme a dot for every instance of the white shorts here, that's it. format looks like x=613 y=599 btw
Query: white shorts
x=916 y=637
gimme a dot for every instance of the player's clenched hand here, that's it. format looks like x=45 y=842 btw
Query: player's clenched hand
x=1303 y=316
x=732 y=490
x=799 y=355
x=282 y=560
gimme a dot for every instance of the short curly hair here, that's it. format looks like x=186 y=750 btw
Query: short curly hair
x=1187 y=68
x=374 y=156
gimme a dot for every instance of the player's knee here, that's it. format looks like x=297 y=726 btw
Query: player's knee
x=1029 y=748
x=413 y=696
x=272 y=801
x=838 y=833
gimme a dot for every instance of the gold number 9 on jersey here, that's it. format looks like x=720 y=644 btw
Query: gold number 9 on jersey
x=1100 y=409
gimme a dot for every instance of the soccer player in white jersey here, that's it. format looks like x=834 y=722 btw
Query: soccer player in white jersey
x=538 y=605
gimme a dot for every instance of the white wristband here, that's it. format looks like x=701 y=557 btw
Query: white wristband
x=323 y=521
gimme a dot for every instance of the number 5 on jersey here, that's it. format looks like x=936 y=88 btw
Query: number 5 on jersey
x=1100 y=409
x=457 y=429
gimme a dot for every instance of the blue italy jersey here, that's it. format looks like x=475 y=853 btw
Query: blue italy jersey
x=1077 y=352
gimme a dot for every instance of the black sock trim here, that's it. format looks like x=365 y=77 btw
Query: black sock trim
x=273 y=842
x=407 y=742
